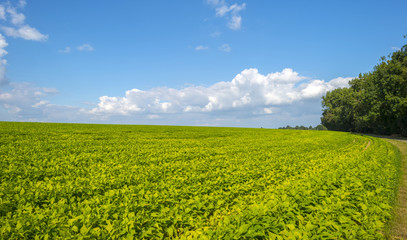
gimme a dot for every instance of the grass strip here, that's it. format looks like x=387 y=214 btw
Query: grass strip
x=398 y=226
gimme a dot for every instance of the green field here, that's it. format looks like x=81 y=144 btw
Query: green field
x=72 y=181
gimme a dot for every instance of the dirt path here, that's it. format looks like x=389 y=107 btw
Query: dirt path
x=398 y=227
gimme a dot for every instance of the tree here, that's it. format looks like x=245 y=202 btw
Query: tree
x=339 y=109
x=375 y=102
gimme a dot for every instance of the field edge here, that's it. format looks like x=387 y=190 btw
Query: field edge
x=397 y=227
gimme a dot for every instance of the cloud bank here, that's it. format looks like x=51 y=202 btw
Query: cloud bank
x=249 y=91
x=249 y=99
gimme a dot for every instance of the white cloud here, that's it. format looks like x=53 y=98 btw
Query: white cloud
x=16 y=18
x=40 y=103
x=19 y=28
x=250 y=99
x=225 y=48
x=26 y=102
x=3 y=44
x=9 y=14
x=315 y=88
x=19 y=99
x=25 y=97
x=3 y=62
x=25 y=32
x=230 y=12
x=339 y=82
x=65 y=50
x=2 y=13
x=22 y=3
x=268 y=110
x=5 y=96
x=249 y=91
x=235 y=22
x=85 y=47
x=222 y=10
x=200 y=48
x=234 y=9
x=395 y=48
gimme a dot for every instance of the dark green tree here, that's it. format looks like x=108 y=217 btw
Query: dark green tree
x=339 y=109
x=375 y=102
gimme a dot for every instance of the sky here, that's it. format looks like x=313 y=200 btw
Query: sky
x=231 y=63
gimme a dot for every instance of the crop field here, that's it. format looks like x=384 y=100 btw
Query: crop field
x=78 y=181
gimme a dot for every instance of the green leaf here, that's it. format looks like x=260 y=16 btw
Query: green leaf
x=291 y=226
x=109 y=227
x=170 y=231
x=19 y=225
x=84 y=230
x=243 y=228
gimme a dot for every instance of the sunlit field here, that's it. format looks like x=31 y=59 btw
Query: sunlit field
x=65 y=181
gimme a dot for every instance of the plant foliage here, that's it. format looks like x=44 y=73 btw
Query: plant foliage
x=375 y=102
x=77 y=181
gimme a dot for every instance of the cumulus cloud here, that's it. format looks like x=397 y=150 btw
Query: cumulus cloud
x=16 y=18
x=85 y=47
x=25 y=32
x=250 y=99
x=27 y=102
x=249 y=91
x=24 y=98
x=18 y=28
x=229 y=12
x=201 y=47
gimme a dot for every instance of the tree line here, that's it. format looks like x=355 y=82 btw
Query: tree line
x=374 y=102
x=318 y=127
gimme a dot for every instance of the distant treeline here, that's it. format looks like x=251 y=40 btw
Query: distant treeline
x=375 y=102
x=318 y=127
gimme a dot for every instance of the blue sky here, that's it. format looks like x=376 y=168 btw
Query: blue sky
x=198 y=62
